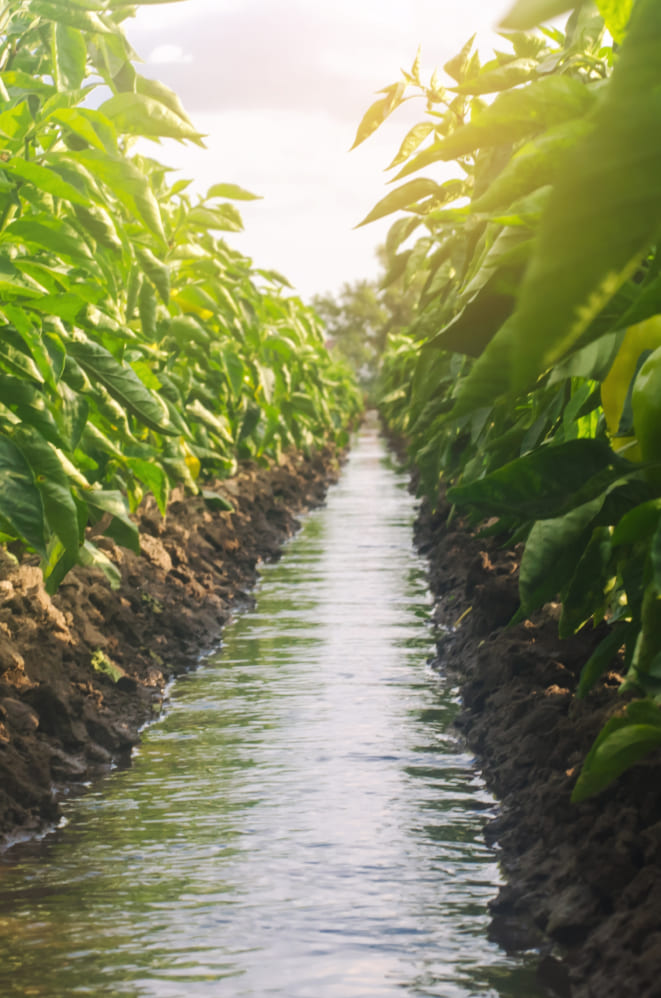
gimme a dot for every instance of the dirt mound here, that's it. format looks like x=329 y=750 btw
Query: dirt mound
x=82 y=672
x=584 y=881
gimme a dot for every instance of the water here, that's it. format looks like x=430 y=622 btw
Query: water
x=303 y=822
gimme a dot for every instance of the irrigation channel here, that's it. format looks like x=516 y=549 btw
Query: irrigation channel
x=303 y=821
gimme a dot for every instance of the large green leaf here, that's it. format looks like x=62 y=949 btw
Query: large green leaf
x=137 y=114
x=21 y=508
x=623 y=741
x=548 y=482
x=53 y=484
x=122 y=383
x=69 y=55
x=44 y=179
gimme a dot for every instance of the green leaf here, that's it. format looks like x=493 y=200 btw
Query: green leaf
x=54 y=486
x=157 y=271
x=48 y=233
x=638 y=524
x=67 y=13
x=459 y=64
x=415 y=137
x=616 y=15
x=623 y=741
x=552 y=553
x=231 y=191
x=122 y=383
x=91 y=556
x=548 y=482
x=153 y=476
x=89 y=125
x=137 y=114
x=44 y=179
x=215 y=501
x=602 y=657
x=121 y=528
x=526 y=14
x=147 y=306
x=500 y=78
x=21 y=508
x=129 y=185
x=586 y=596
x=379 y=111
x=405 y=196
x=70 y=54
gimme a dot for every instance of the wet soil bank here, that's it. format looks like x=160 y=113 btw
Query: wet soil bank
x=82 y=672
x=584 y=881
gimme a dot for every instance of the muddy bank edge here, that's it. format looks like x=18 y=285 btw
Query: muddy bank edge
x=584 y=881
x=81 y=673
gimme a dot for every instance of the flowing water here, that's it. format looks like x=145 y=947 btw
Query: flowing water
x=303 y=822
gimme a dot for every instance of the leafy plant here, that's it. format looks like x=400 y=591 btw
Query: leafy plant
x=523 y=380
x=137 y=349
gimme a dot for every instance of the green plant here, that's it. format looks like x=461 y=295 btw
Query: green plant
x=137 y=348
x=538 y=256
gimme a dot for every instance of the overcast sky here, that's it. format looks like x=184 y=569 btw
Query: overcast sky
x=279 y=87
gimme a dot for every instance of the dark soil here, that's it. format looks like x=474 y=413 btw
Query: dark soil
x=63 y=721
x=584 y=881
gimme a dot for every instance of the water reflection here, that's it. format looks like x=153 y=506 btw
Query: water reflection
x=302 y=823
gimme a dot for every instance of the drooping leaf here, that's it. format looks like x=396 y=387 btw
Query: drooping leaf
x=53 y=484
x=552 y=553
x=623 y=741
x=121 y=528
x=21 y=508
x=70 y=56
x=122 y=383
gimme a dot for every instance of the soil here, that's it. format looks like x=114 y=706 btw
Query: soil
x=83 y=672
x=583 y=880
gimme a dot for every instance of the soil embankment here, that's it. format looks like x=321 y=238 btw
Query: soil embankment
x=82 y=672
x=584 y=881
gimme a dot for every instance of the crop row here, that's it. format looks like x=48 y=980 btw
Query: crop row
x=530 y=380
x=137 y=349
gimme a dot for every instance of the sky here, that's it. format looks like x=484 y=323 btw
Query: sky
x=279 y=87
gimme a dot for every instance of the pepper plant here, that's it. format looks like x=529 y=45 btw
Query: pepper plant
x=530 y=381
x=137 y=348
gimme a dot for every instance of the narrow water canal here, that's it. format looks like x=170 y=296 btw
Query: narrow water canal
x=303 y=822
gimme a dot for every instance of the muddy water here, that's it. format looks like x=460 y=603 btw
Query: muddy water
x=302 y=823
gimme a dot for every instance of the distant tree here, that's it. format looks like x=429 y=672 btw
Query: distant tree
x=359 y=317
x=355 y=320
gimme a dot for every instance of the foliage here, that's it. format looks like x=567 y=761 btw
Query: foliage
x=358 y=320
x=355 y=321
x=518 y=381
x=137 y=349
